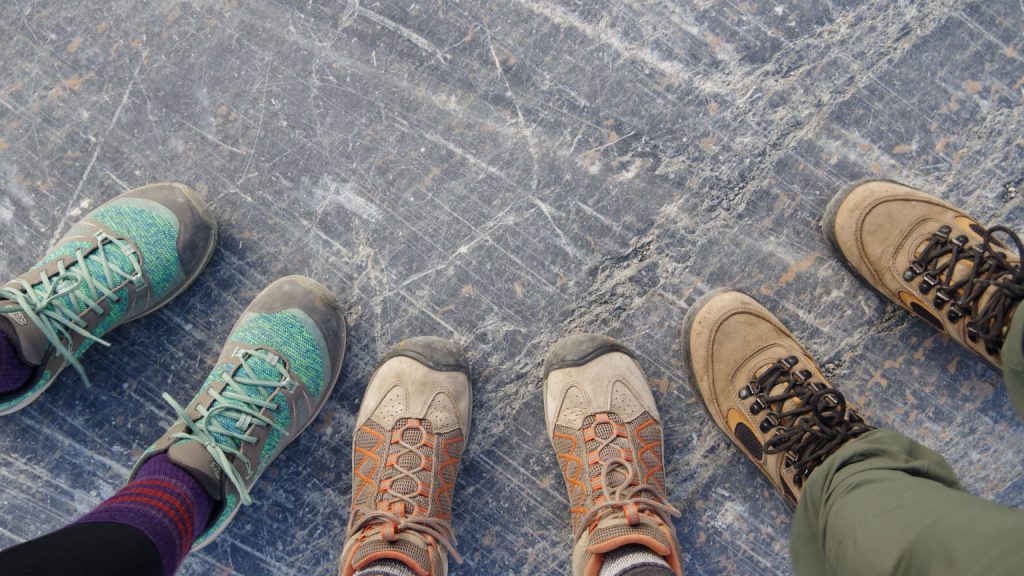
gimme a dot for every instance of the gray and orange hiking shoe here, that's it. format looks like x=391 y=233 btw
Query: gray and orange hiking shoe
x=412 y=427
x=932 y=259
x=764 y=390
x=606 y=431
x=275 y=373
x=124 y=260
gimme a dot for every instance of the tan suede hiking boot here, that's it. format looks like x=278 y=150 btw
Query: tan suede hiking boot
x=412 y=427
x=606 y=432
x=932 y=259
x=764 y=390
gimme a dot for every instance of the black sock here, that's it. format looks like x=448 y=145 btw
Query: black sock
x=84 y=550
x=14 y=373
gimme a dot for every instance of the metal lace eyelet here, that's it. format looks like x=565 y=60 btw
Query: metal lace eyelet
x=955 y=313
x=960 y=241
x=972 y=333
x=757 y=406
x=770 y=421
x=913 y=271
x=747 y=391
x=944 y=232
x=928 y=281
x=802 y=376
x=789 y=361
x=942 y=298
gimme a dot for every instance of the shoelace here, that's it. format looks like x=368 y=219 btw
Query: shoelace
x=57 y=322
x=393 y=523
x=626 y=496
x=815 y=426
x=244 y=411
x=989 y=267
x=437 y=529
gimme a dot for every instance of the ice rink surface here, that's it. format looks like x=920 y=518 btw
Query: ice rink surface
x=505 y=173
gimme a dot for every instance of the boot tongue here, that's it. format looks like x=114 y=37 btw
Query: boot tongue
x=614 y=532
x=778 y=388
x=26 y=338
x=407 y=548
x=192 y=457
x=410 y=550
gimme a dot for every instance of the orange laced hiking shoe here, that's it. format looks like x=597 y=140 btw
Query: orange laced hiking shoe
x=412 y=427
x=764 y=390
x=606 y=431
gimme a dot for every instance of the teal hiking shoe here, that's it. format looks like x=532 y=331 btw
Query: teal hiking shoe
x=275 y=373
x=124 y=260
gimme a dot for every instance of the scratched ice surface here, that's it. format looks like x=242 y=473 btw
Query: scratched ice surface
x=505 y=173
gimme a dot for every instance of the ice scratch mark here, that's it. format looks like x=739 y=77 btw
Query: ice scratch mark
x=406 y=33
x=212 y=138
x=531 y=146
x=6 y=211
x=1007 y=49
x=605 y=35
x=117 y=180
x=604 y=219
x=469 y=157
x=508 y=87
x=331 y=194
x=349 y=14
x=259 y=124
x=95 y=154
x=566 y=245
x=612 y=143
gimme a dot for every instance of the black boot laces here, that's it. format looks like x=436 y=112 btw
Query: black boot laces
x=814 y=426
x=989 y=267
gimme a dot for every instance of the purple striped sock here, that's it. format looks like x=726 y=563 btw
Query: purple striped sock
x=13 y=372
x=163 y=502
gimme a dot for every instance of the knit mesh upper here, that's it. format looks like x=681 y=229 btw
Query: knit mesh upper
x=290 y=335
x=152 y=229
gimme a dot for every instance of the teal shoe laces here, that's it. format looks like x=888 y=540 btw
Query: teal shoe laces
x=237 y=406
x=41 y=303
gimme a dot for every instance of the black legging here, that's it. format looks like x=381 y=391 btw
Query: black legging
x=100 y=549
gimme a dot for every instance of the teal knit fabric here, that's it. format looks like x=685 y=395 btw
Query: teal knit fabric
x=291 y=336
x=152 y=229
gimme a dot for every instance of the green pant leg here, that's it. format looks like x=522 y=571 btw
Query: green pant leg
x=1012 y=356
x=883 y=505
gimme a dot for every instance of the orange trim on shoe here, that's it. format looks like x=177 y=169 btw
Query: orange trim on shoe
x=673 y=556
x=566 y=459
x=599 y=550
x=626 y=539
